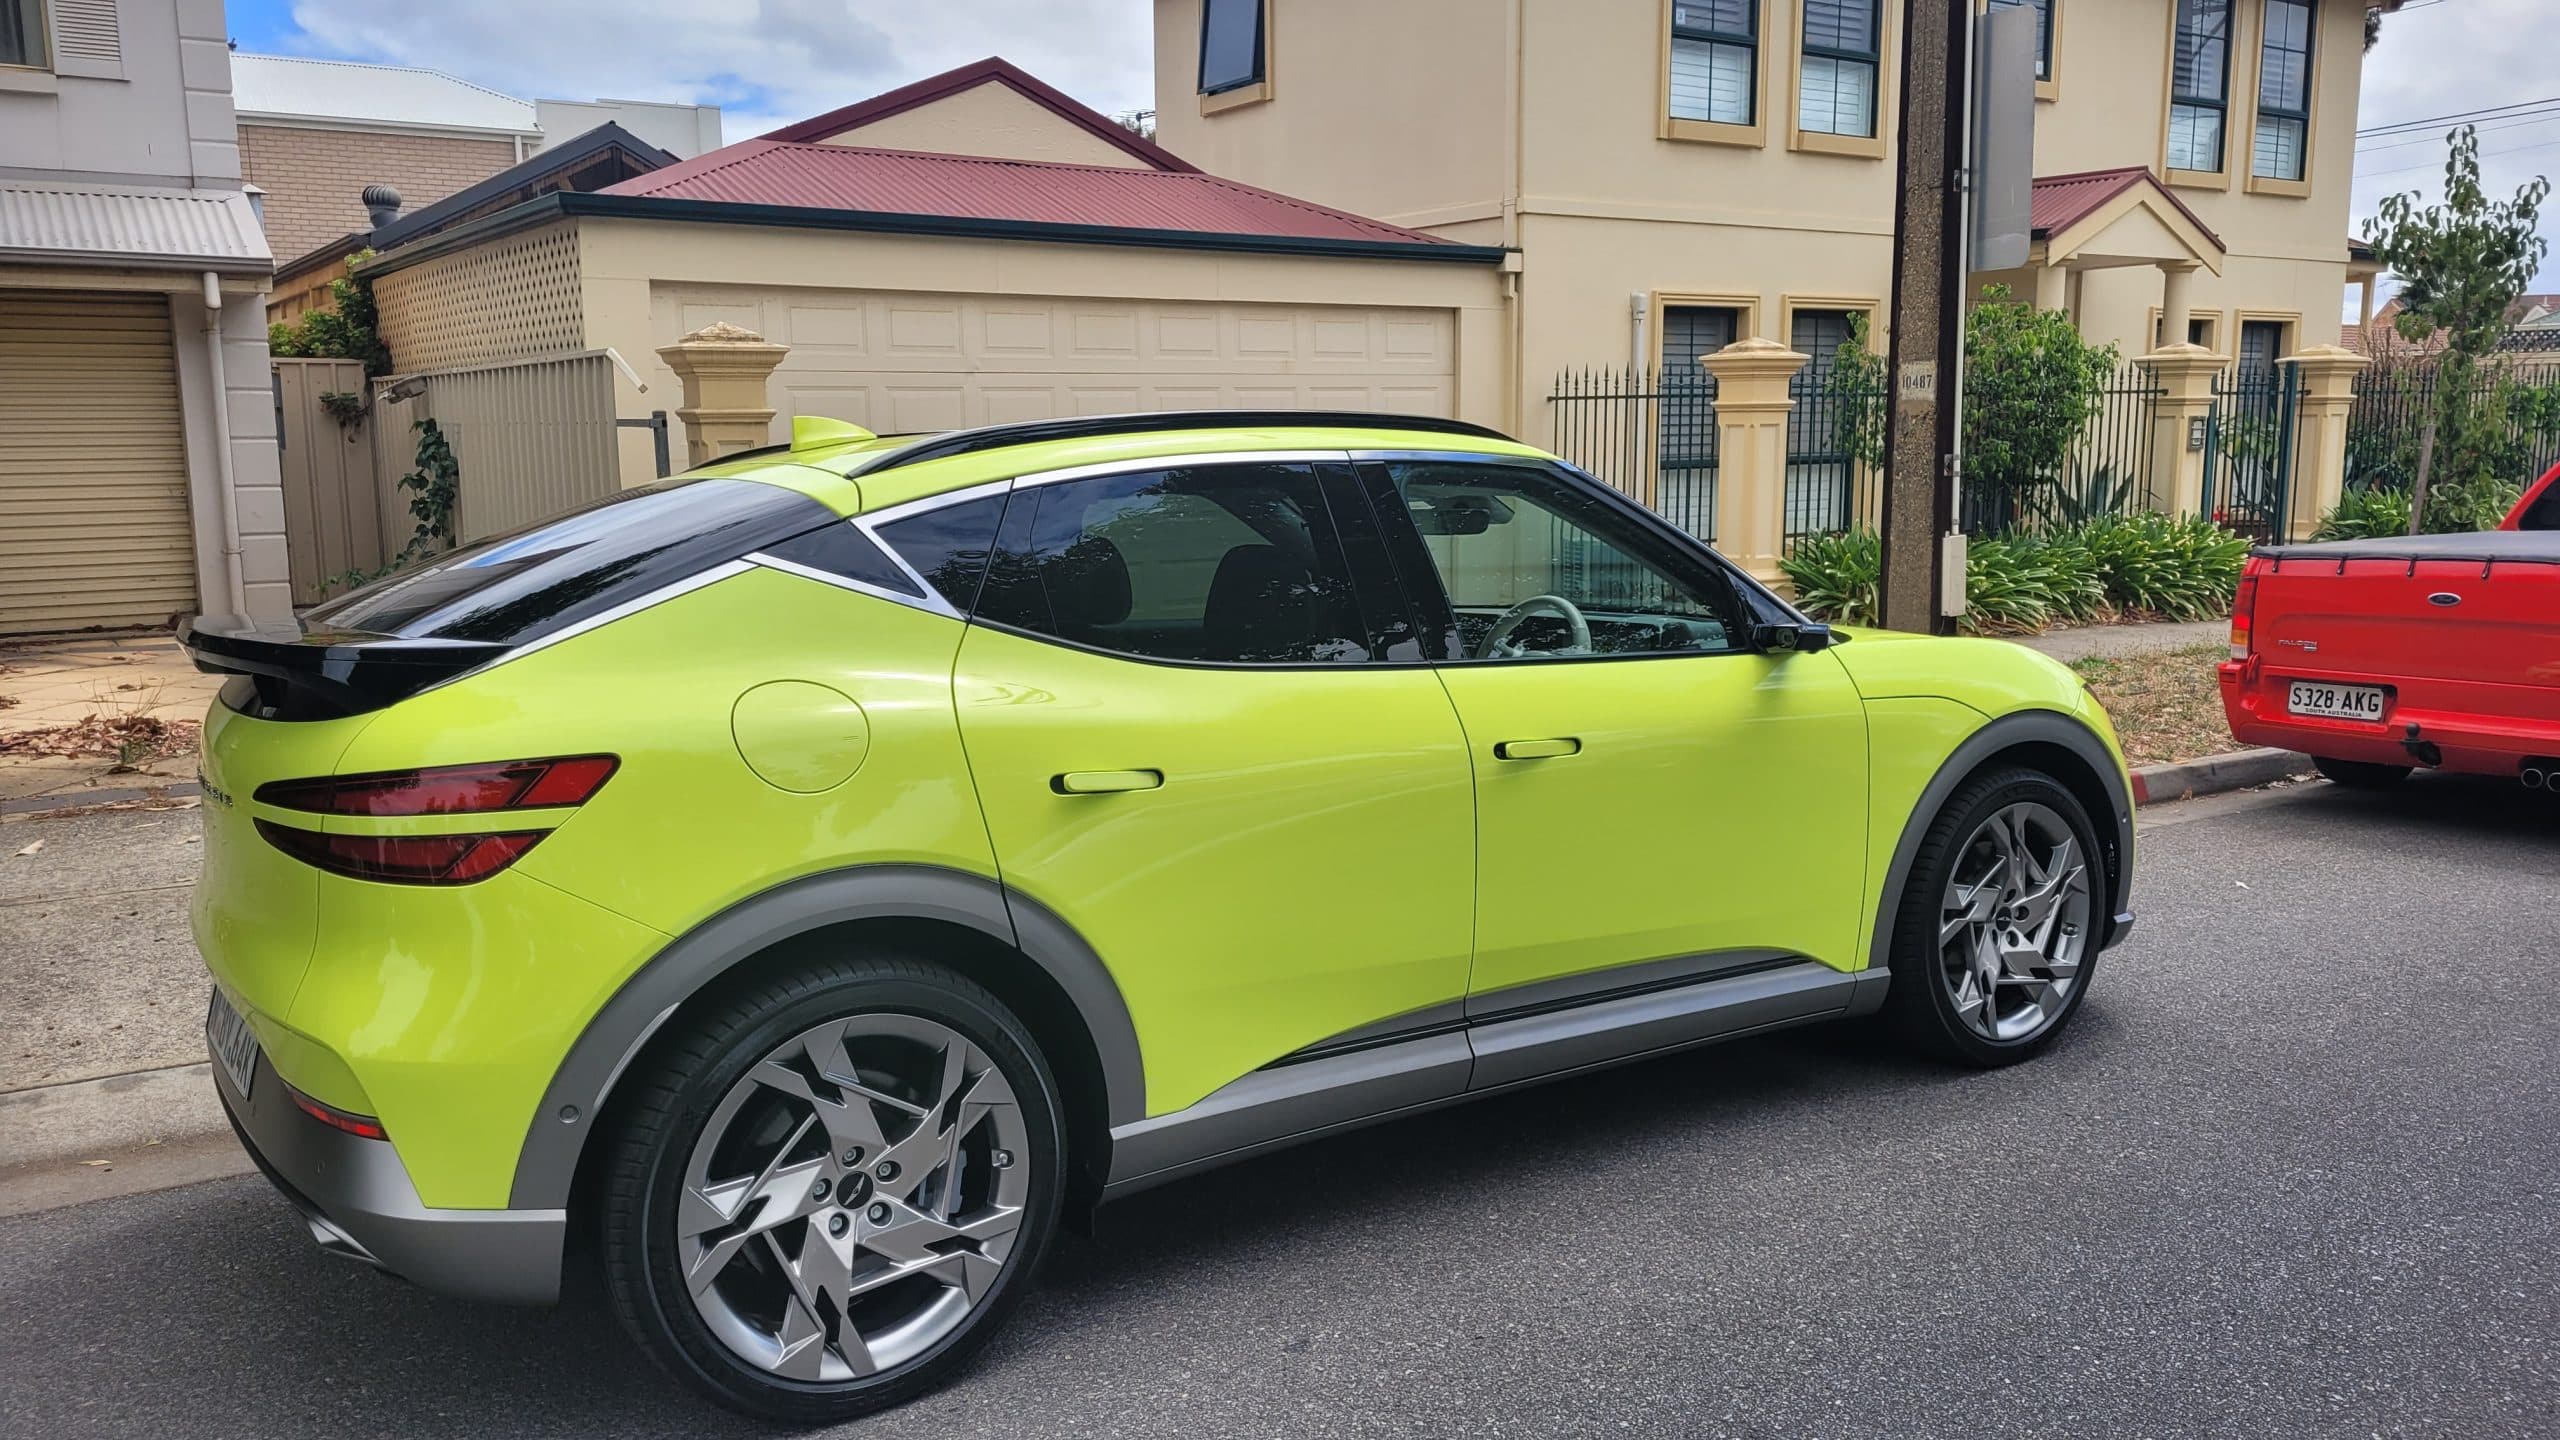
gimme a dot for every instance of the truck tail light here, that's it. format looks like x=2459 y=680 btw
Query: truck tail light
x=404 y=859
x=448 y=789
x=2241 y=606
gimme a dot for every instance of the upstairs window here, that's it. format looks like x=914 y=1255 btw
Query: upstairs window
x=2284 y=93
x=2199 y=85
x=1715 y=61
x=22 y=33
x=1843 y=54
x=1230 y=45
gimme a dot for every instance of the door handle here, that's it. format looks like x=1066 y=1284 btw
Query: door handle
x=1106 y=782
x=1537 y=749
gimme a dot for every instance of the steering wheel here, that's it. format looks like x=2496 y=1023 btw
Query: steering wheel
x=1497 y=641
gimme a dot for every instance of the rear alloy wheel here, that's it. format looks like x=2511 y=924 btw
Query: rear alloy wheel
x=2361 y=774
x=1992 y=949
x=844 y=1197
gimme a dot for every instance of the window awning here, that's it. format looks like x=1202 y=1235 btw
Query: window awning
x=124 y=225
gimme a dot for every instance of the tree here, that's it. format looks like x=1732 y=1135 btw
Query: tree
x=345 y=331
x=2460 y=264
x=2030 y=385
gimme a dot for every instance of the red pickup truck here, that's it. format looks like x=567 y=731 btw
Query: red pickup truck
x=2379 y=656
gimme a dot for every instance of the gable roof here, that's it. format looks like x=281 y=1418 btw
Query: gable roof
x=1033 y=192
x=289 y=87
x=993 y=70
x=2062 y=201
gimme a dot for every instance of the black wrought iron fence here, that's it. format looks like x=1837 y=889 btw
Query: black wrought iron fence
x=2104 y=473
x=2394 y=400
x=1834 y=441
x=1647 y=435
x=2249 y=450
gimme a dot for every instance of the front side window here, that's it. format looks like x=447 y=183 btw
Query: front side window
x=1843 y=55
x=22 y=32
x=2284 y=93
x=1535 y=566
x=1230 y=45
x=1715 y=61
x=1214 y=564
x=2199 y=84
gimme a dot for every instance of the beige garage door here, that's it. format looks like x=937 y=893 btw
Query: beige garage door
x=93 y=464
x=902 y=361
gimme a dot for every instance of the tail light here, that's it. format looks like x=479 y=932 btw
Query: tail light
x=448 y=789
x=2241 y=606
x=458 y=859
x=363 y=1127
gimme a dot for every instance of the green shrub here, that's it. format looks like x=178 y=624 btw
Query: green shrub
x=2174 y=569
x=2365 y=514
x=2075 y=586
x=2007 y=587
x=1835 y=576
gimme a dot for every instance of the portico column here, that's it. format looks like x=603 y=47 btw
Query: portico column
x=1752 y=406
x=724 y=369
x=2053 y=288
x=2177 y=299
x=2320 y=446
x=2184 y=374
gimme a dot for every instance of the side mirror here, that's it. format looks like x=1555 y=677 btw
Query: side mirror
x=1771 y=639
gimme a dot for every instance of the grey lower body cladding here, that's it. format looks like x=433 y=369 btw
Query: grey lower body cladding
x=1443 y=1059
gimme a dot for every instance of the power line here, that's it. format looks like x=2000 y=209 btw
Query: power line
x=2492 y=112
x=2523 y=123
x=2485 y=155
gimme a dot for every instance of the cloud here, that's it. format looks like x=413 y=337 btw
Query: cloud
x=767 y=62
x=2436 y=59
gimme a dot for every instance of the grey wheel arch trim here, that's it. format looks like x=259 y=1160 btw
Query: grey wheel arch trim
x=579 y=1089
x=2028 y=727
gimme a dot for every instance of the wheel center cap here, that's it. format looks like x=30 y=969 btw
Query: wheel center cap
x=854 y=1191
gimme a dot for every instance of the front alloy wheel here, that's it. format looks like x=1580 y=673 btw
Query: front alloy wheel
x=829 y=1191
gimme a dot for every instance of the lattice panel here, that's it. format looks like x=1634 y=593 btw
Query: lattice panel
x=512 y=297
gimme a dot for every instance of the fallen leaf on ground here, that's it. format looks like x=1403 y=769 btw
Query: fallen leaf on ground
x=32 y=847
x=101 y=1164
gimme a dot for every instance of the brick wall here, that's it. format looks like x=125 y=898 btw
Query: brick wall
x=314 y=178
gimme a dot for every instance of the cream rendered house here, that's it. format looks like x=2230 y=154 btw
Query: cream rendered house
x=1680 y=174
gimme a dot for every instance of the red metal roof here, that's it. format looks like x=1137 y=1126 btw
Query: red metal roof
x=2062 y=201
x=993 y=70
x=910 y=182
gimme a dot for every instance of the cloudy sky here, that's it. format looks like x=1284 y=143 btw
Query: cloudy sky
x=767 y=62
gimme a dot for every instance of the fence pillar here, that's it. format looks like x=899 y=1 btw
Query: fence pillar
x=724 y=369
x=1752 y=405
x=2320 y=449
x=2184 y=374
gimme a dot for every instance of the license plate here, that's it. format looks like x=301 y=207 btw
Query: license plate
x=234 y=1047
x=2336 y=702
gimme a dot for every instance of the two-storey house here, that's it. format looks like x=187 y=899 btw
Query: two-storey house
x=1679 y=174
x=138 y=468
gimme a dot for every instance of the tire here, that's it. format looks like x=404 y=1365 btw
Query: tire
x=927 y=1240
x=2029 y=1001
x=2361 y=774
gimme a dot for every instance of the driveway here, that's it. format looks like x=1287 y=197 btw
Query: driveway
x=2292 y=1173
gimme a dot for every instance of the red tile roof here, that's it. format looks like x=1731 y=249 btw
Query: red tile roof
x=909 y=182
x=991 y=71
x=2062 y=201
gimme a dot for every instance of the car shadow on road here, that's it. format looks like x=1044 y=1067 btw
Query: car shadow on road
x=257 y=1332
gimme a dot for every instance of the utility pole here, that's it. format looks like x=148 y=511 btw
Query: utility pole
x=1927 y=353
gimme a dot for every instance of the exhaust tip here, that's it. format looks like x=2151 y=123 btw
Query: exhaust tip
x=2535 y=779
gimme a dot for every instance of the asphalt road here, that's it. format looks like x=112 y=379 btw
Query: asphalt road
x=2293 y=1172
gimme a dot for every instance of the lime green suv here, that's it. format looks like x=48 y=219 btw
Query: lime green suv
x=808 y=882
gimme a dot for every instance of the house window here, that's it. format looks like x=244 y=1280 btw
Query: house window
x=2261 y=344
x=2199 y=84
x=1715 y=61
x=2044 y=33
x=1842 y=57
x=2284 y=93
x=1230 y=45
x=1818 y=335
x=22 y=32
x=1685 y=445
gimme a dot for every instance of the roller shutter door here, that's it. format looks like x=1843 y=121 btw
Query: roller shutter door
x=94 y=523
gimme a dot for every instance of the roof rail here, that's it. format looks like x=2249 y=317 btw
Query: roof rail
x=1077 y=427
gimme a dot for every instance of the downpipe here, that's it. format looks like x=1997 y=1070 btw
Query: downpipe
x=237 y=586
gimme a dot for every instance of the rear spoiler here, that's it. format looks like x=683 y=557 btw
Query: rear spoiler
x=303 y=673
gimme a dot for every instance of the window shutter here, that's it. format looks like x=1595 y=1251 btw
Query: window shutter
x=86 y=41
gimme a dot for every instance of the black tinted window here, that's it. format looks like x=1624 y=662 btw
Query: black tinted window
x=1223 y=564
x=522 y=586
x=2545 y=514
x=840 y=549
x=949 y=546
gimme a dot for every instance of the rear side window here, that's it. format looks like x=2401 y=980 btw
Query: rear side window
x=523 y=586
x=2545 y=514
x=949 y=546
x=1226 y=564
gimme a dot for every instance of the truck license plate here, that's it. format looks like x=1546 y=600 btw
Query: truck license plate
x=2336 y=702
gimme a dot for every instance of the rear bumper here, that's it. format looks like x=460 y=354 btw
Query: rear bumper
x=359 y=1202
x=2467 y=743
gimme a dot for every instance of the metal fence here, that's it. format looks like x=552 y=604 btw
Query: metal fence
x=1646 y=435
x=533 y=438
x=2104 y=473
x=2249 y=450
x=1834 y=438
x=2394 y=400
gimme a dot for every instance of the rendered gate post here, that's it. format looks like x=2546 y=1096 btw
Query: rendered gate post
x=726 y=370
x=1752 y=405
x=2328 y=392
x=2179 y=444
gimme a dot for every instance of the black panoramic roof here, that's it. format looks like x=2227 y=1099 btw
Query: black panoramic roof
x=1081 y=427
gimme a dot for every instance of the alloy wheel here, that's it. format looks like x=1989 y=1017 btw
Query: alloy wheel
x=2014 y=922
x=853 y=1197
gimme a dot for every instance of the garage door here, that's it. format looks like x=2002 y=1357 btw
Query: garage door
x=903 y=361
x=93 y=464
